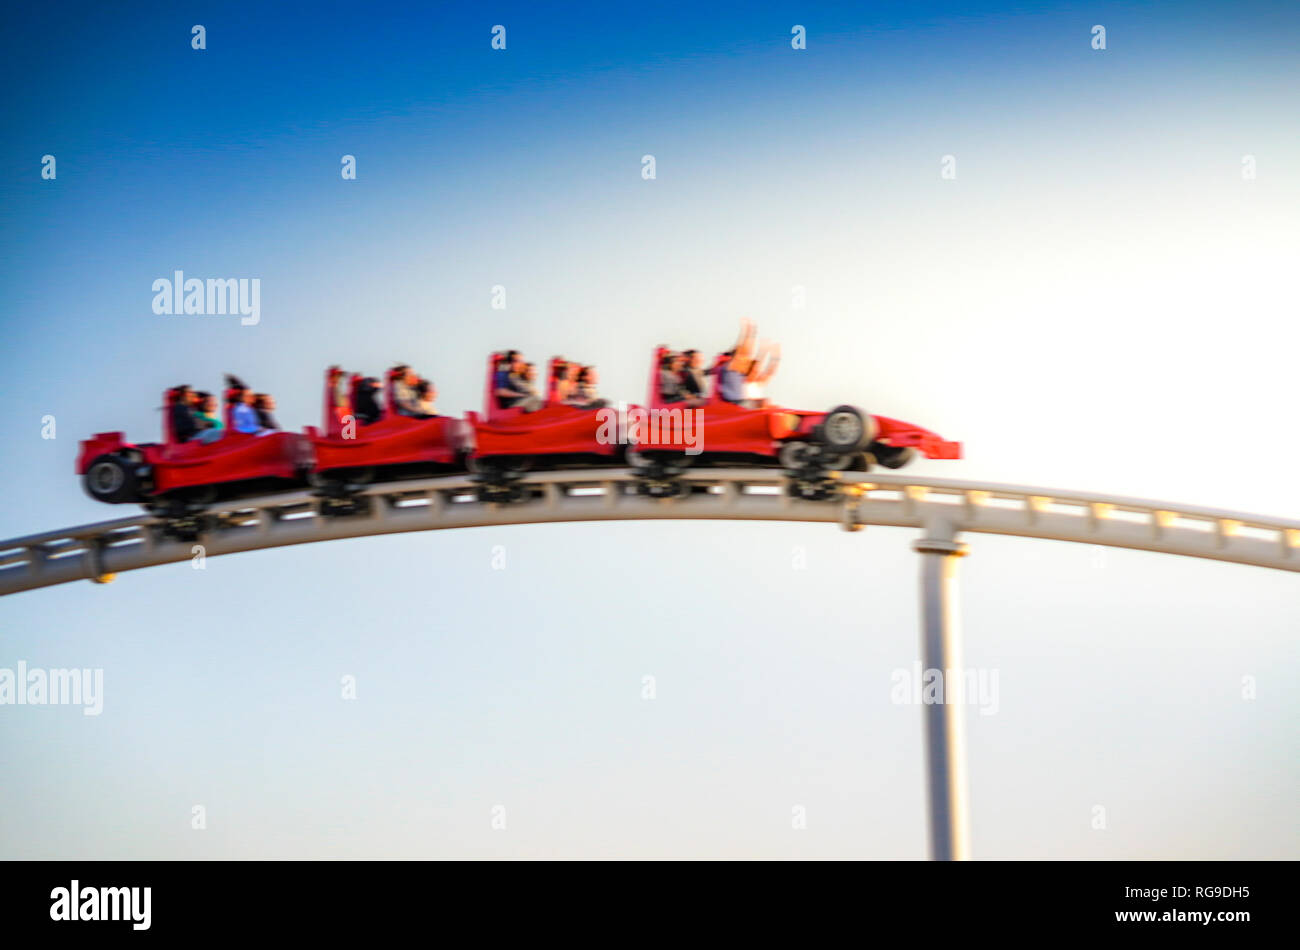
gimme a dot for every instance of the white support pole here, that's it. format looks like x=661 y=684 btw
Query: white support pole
x=945 y=720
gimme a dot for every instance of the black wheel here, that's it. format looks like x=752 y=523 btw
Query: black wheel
x=342 y=506
x=202 y=495
x=670 y=488
x=499 y=466
x=111 y=479
x=361 y=476
x=501 y=493
x=860 y=463
x=811 y=490
x=846 y=429
x=893 y=456
x=792 y=455
x=187 y=529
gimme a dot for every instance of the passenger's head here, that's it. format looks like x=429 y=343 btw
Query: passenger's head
x=529 y=371
x=422 y=388
x=571 y=371
x=587 y=376
x=235 y=389
x=264 y=401
x=666 y=361
x=510 y=360
x=207 y=402
x=248 y=397
x=691 y=358
x=179 y=395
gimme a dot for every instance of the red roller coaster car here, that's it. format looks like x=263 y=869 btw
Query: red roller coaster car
x=846 y=438
x=509 y=439
x=349 y=452
x=116 y=471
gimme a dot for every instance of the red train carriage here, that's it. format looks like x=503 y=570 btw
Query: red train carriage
x=512 y=440
x=116 y=471
x=846 y=438
x=349 y=451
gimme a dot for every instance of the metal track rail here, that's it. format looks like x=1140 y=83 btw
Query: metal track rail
x=96 y=551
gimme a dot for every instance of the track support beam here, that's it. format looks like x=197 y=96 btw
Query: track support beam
x=945 y=718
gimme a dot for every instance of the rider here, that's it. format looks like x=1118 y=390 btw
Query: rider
x=425 y=396
x=670 y=378
x=566 y=382
x=181 y=411
x=208 y=418
x=512 y=386
x=744 y=374
x=731 y=376
x=731 y=381
x=691 y=379
x=586 y=389
x=526 y=382
x=760 y=371
x=502 y=391
x=244 y=416
x=366 y=405
x=264 y=403
x=405 y=400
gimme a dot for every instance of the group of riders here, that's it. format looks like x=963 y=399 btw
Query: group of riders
x=196 y=416
x=413 y=396
x=514 y=384
x=741 y=377
x=747 y=367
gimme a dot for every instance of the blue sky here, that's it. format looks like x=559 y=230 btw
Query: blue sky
x=1098 y=301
